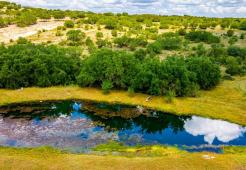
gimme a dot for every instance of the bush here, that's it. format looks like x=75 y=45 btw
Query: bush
x=182 y=32
x=236 y=52
x=233 y=40
x=233 y=67
x=26 y=19
x=230 y=33
x=170 y=96
x=75 y=37
x=3 y=23
x=110 y=24
x=69 y=24
x=103 y=43
x=217 y=50
x=132 y=43
x=154 y=48
x=59 y=14
x=106 y=86
x=22 y=40
x=202 y=36
x=114 y=33
x=243 y=25
x=130 y=91
x=242 y=36
x=170 y=43
x=99 y=35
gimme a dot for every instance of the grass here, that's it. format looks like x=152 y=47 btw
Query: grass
x=227 y=101
x=48 y=158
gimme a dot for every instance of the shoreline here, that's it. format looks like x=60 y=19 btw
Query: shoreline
x=135 y=158
x=225 y=102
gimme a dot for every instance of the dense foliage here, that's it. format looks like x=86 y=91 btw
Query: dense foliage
x=26 y=65
x=202 y=36
x=123 y=70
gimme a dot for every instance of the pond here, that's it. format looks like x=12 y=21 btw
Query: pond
x=80 y=126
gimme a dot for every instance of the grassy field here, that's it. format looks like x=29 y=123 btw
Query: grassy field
x=227 y=101
x=48 y=158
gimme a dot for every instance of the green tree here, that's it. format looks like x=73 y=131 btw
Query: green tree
x=207 y=73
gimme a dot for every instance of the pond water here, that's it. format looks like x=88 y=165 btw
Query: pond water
x=80 y=126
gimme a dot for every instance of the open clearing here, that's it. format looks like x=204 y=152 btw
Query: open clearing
x=13 y=32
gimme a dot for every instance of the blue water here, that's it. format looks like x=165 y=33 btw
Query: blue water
x=83 y=125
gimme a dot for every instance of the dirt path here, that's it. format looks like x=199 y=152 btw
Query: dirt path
x=13 y=32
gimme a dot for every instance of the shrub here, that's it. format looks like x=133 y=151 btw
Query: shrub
x=110 y=24
x=69 y=24
x=201 y=50
x=182 y=32
x=114 y=33
x=130 y=91
x=233 y=40
x=75 y=37
x=233 y=67
x=59 y=33
x=202 y=36
x=217 y=50
x=99 y=35
x=154 y=48
x=106 y=86
x=103 y=43
x=3 y=23
x=58 y=14
x=170 y=95
x=236 y=51
x=243 y=25
x=22 y=40
x=132 y=43
x=242 y=36
x=170 y=43
x=26 y=19
x=230 y=33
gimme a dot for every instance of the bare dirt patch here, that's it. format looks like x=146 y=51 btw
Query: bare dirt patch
x=13 y=32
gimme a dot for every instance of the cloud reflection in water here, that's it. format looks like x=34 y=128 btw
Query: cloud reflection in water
x=211 y=129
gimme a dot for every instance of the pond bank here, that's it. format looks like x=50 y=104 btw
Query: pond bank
x=48 y=158
x=227 y=101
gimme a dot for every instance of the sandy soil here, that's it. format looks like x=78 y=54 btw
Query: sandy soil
x=13 y=32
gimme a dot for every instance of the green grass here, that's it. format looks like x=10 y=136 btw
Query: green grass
x=171 y=158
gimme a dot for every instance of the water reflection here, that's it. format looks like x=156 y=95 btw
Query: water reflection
x=69 y=124
x=211 y=129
